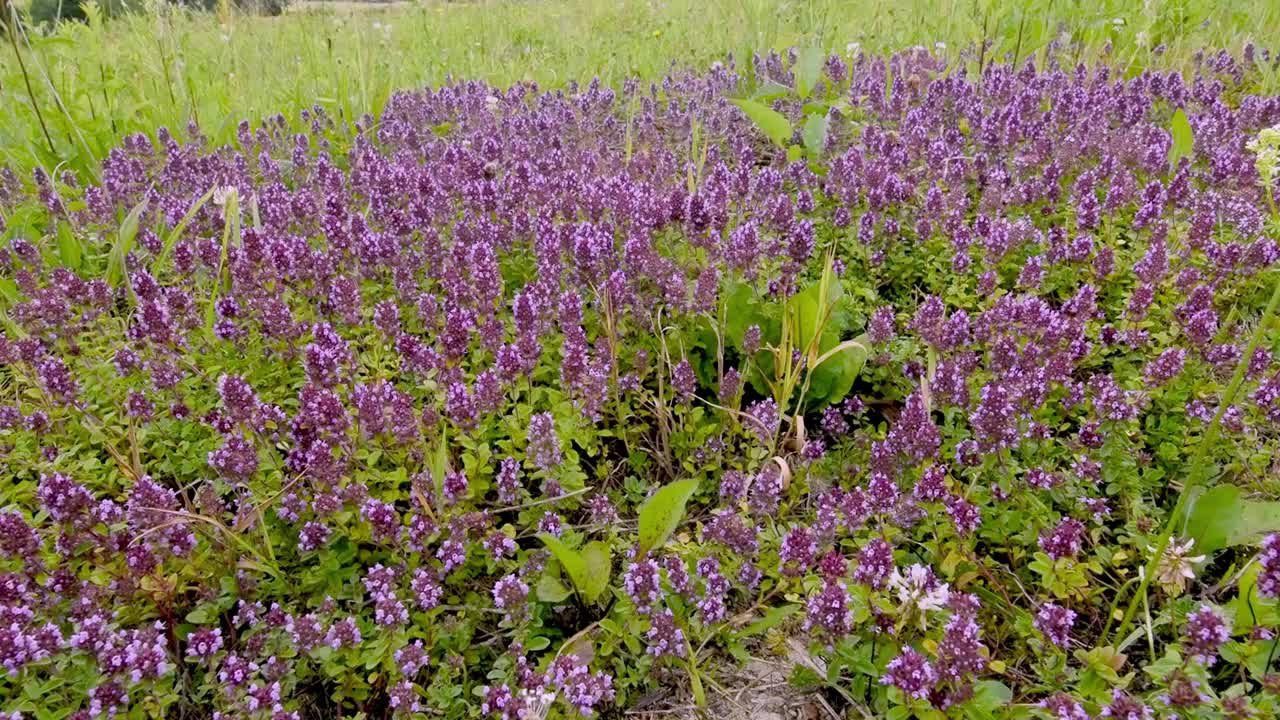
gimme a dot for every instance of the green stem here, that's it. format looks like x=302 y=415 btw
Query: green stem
x=1197 y=460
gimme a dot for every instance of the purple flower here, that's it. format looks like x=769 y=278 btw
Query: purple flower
x=875 y=564
x=510 y=595
x=508 y=481
x=455 y=485
x=410 y=659
x=641 y=581
x=1055 y=622
x=384 y=522
x=236 y=459
x=1165 y=367
x=1205 y=632
x=827 y=612
x=544 y=445
x=343 y=633
x=204 y=644
x=1124 y=706
x=751 y=340
x=882 y=328
x=797 y=552
x=683 y=381
x=961 y=652
x=63 y=498
x=911 y=673
x=763 y=420
x=313 y=536
x=426 y=589
x=1063 y=541
x=914 y=434
x=665 y=637
x=1269 y=564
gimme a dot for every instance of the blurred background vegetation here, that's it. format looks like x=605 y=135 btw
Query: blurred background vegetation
x=71 y=89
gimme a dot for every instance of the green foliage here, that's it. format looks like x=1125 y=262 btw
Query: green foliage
x=1222 y=517
x=663 y=511
x=772 y=123
x=1183 y=138
x=95 y=87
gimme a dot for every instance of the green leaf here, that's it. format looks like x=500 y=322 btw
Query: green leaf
x=124 y=243
x=813 y=312
x=839 y=366
x=1183 y=138
x=1213 y=518
x=69 y=251
x=808 y=70
x=770 y=91
x=771 y=619
x=182 y=224
x=1255 y=519
x=769 y=121
x=662 y=512
x=551 y=590
x=572 y=561
x=794 y=153
x=9 y=290
x=203 y=615
x=815 y=135
x=599 y=564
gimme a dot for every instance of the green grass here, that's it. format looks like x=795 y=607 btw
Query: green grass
x=93 y=83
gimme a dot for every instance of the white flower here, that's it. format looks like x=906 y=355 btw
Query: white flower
x=1175 y=566
x=222 y=194
x=852 y=48
x=919 y=589
x=1267 y=148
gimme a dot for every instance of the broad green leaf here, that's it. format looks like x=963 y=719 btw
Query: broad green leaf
x=812 y=312
x=599 y=564
x=124 y=243
x=1213 y=518
x=1256 y=518
x=187 y=217
x=808 y=70
x=662 y=512
x=1183 y=138
x=771 y=619
x=69 y=251
x=573 y=563
x=1248 y=607
x=794 y=153
x=9 y=289
x=988 y=697
x=815 y=135
x=770 y=121
x=770 y=91
x=551 y=590
x=837 y=368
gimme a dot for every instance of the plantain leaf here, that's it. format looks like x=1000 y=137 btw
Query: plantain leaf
x=808 y=70
x=572 y=561
x=815 y=135
x=69 y=251
x=770 y=121
x=1183 y=138
x=1213 y=517
x=598 y=563
x=663 y=511
x=551 y=590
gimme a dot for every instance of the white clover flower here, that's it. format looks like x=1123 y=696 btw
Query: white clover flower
x=919 y=589
x=223 y=194
x=1266 y=146
x=852 y=48
x=1175 y=567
